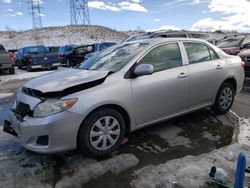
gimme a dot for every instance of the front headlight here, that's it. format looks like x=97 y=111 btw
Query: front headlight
x=50 y=107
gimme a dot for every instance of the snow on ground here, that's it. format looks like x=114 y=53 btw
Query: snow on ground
x=114 y=165
x=23 y=76
x=192 y=171
x=6 y=95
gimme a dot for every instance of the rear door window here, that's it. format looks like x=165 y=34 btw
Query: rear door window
x=198 y=52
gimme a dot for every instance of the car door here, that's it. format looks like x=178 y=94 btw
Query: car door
x=165 y=92
x=206 y=73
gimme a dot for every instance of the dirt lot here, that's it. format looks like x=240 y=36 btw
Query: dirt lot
x=193 y=134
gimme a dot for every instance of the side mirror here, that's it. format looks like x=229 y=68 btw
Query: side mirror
x=144 y=69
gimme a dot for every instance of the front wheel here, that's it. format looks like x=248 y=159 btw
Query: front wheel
x=102 y=132
x=224 y=99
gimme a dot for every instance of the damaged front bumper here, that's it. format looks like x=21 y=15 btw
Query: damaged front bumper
x=52 y=134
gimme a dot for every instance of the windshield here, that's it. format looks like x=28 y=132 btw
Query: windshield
x=113 y=59
x=231 y=42
x=36 y=50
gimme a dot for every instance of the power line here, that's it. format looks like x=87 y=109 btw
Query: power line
x=35 y=6
x=79 y=12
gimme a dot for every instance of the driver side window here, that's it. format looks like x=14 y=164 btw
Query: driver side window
x=163 y=57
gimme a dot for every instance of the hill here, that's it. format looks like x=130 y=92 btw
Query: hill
x=57 y=36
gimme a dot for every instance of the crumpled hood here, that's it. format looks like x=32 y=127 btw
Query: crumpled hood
x=61 y=80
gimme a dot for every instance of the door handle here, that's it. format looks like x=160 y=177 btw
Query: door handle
x=183 y=75
x=219 y=67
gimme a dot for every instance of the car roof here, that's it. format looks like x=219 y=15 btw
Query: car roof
x=154 y=41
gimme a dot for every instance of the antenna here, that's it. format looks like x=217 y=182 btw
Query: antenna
x=35 y=6
x=79 y=12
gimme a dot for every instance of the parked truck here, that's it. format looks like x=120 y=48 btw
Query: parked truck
x=36 y=57
x=5 y=62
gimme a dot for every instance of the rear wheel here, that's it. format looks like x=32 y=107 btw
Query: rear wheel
x=12 y=70
x=29 y=68
x=102 y=132
x=224 y=99
x=68 y=64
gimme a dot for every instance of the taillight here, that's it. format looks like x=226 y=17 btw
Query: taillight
x=243 y=64
x=12 y=58
x=30 y=59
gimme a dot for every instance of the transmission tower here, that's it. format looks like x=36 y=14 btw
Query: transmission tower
x=35 y=6
x=79 y=12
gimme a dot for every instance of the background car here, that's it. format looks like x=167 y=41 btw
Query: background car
x=64 y=54
x=98 y=47
x=36 y=57
x=233 y=44
x=245 y=56
x=6 y=61
x=54 y=49
x=78 y=54
x=170 y=34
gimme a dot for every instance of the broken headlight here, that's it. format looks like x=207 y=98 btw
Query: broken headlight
x=50 y=107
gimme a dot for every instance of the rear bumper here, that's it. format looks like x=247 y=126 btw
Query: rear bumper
x=45 y=66
x=6 y=66
x=52 y=134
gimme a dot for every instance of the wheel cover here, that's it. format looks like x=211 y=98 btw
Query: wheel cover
x=226 y=98
x=104 y=133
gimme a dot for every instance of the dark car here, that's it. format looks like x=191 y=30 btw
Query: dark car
x=98 y=47
x=64 y=54
x=233 y=45
x=6 y=61
x=54 y=49
x=36 y=57
x=79 y=53
x=168 y=34
x=245 y=56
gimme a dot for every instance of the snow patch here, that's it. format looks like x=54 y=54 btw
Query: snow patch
x=190 y=171
x=23 y=76
x=244 y=131
x=6 y=95
x=114 y=165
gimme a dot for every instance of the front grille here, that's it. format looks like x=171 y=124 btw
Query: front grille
x=22 y=109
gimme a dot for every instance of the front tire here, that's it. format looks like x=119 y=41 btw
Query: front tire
x=102 y=132
x=224 y=99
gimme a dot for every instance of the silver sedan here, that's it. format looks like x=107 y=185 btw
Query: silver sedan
x=122 y=89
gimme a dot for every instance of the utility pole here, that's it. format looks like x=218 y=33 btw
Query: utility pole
x=79 y=12
x=35 y=7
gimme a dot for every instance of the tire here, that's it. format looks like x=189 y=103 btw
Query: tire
x=224 y=99
x=28 y=68
x=93 y=144
x=68 y=64
x=12 y=70
x=19 y=66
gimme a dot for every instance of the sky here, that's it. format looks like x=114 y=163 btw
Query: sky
x=201 y=15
